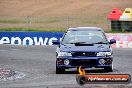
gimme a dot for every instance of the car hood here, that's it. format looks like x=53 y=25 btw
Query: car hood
x=91 y=48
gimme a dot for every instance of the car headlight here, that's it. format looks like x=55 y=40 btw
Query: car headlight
x=104 y=53
x=64 y=54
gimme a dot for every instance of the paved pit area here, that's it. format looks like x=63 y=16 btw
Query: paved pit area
x=36 y=66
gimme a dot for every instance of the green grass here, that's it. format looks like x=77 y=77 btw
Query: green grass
x=49 y=29
x=32 y=29
x=18 y=29
x=52 y=24
x=24 y=20
x=122 y=31
x=12 y=21
x=46 y=21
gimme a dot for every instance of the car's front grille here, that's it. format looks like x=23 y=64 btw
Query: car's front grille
x=88 y=54
x=83 y=62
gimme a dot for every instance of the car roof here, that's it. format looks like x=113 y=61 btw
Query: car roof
x=85 y=29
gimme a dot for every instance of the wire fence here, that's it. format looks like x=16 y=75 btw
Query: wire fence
x=58 y=23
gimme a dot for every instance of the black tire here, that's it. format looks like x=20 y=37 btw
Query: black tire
x=59 y=70
x=108 y=69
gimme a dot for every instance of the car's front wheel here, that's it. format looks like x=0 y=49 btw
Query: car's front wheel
x=108 y=69
x=59 y=70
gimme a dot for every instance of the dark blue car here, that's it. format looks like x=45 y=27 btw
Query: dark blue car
x=84 y=46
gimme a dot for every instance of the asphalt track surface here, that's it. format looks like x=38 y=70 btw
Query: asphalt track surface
x=38 y=64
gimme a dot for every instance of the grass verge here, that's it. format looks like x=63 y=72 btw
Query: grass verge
x=20 y=29
x=32 y=29
x=121 y=31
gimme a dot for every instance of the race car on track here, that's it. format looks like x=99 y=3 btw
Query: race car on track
x=84 y=46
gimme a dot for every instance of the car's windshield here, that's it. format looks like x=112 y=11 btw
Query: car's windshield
x=89 y=37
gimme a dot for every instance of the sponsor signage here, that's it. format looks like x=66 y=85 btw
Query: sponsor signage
x=46 y=38
x=29 y=38
x=83 y=78
x=103 y=78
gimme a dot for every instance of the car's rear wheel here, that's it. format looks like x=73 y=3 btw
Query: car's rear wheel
x=108 y=69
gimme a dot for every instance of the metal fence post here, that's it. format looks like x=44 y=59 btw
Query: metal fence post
x=28 y=22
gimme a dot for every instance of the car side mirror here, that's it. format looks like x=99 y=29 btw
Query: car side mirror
x=55 y=42
x=112 y=41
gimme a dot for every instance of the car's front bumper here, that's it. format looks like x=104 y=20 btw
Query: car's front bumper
x=86 y=62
